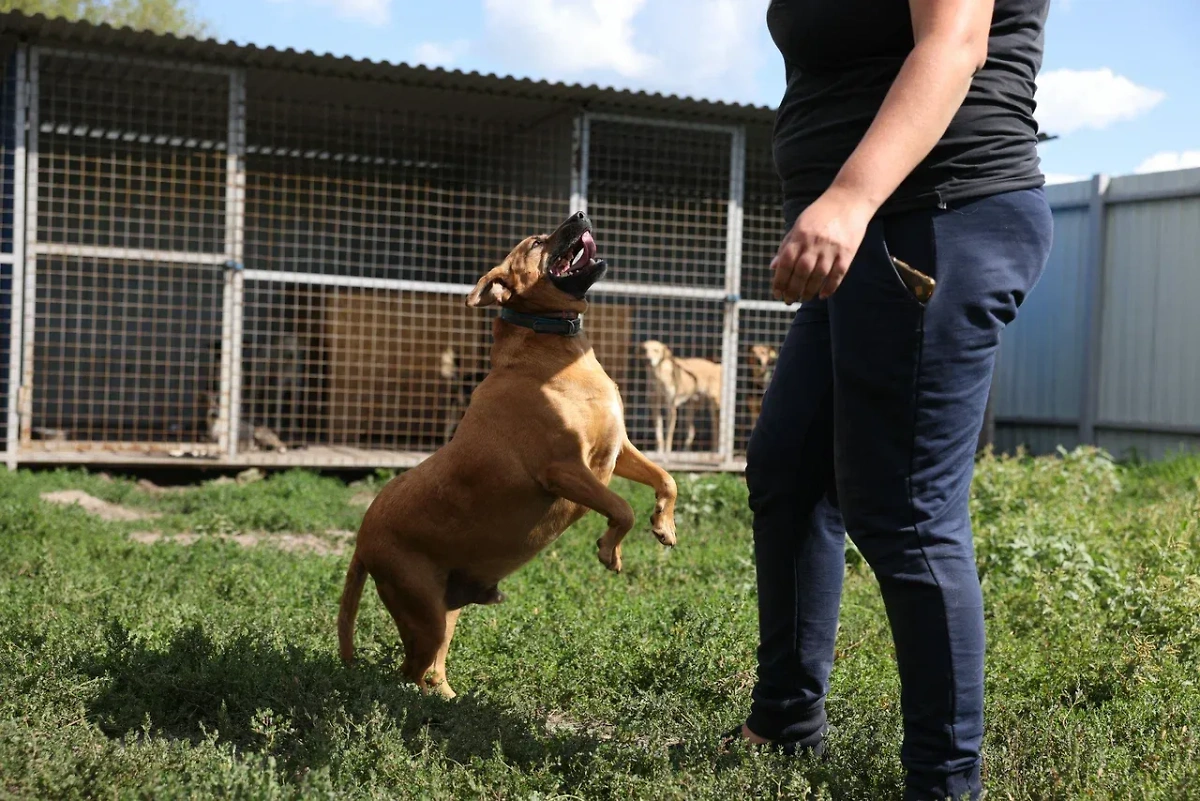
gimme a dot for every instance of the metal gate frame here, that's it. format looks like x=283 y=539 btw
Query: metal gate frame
x=724 y=457
x=229 y=260
x=16 y=313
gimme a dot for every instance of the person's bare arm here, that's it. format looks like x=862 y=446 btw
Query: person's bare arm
x=951 y=38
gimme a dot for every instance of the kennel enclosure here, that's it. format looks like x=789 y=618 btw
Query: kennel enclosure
x=216 y=254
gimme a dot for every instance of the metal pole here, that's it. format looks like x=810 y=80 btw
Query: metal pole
x=29 y=290
x=580 y=144
x=733 y=285
x=234 y=292
x=1094 y=311
x=16 y=322
x=578 y=195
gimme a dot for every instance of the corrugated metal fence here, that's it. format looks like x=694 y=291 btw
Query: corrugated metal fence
x=1106 y=350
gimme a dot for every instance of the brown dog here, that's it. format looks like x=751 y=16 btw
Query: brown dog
x=535 y=450
x=762 y=365
x=681 y=384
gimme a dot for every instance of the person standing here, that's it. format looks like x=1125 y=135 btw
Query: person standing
x=905 y=139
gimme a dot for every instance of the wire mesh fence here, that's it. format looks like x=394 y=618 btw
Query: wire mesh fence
x=763 y=225
x=659 y=197
x=119 y=351
x=761 y=333
x=260 y=267
x=126 y=222
x=10 y=178
x=762 y=323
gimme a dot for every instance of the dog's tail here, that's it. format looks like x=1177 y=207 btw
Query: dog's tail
x=356 y=577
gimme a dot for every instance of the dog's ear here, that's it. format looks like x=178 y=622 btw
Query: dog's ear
x=490 y=289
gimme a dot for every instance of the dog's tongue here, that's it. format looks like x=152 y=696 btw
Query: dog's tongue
x=589 y=245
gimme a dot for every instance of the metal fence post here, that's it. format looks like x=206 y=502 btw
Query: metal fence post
x=16 y=321
x=733 y=284
x=580 y=142
x=234 y=292
x=29 y=290
x=1094 y=311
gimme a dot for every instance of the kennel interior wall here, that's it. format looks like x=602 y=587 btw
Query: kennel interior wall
x=199 y=243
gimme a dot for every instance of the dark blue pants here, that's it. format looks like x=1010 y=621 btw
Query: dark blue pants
x=869 y=427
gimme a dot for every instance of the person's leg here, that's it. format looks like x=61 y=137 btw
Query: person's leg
x=799 y=539
x=911 y=385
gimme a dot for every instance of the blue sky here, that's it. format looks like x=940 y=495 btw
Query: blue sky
x=1119 y=83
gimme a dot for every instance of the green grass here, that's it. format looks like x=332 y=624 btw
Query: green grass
x=209 y=670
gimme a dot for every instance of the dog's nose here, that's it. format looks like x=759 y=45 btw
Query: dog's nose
x=579 y=215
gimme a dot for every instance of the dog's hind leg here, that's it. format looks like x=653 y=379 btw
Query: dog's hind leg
x=690 y=413
x=416 y=603
x=576 y=483
x=439 y=662
x=633 y=465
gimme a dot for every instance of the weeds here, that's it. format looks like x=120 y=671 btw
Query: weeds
x=209 y=670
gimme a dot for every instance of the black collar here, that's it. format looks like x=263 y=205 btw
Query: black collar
x=563 y=326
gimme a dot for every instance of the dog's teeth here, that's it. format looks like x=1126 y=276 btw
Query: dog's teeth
x=578 y=256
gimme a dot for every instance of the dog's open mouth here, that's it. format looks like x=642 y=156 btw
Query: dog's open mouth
x=571 y=263
x=579 y=256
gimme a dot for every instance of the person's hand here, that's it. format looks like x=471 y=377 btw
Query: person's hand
x=816 y=253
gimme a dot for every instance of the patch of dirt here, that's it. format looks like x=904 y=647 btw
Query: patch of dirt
x=362 y=499
x=93 y=505
x=150 y=488
x=562 y=723
x=250 y=476
x=333 y=544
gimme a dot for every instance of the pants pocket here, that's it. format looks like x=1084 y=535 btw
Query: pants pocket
x=914 y=271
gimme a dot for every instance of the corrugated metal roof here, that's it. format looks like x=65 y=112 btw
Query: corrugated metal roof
x=40 y=28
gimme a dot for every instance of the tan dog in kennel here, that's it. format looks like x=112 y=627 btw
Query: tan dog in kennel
x=680 y=385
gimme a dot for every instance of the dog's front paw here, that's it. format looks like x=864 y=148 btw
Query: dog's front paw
x=662 y=522
x=664 y=528
x=609 y=555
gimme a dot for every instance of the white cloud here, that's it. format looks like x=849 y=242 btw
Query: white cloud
x=566 y=37
x=1170 y=160
x=439 y=54
x=707 y=48
x=373 y=12
x=1069 y=100
x=1063 y=178
x=713 y=47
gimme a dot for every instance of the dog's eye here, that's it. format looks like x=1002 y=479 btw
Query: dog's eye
x=537 y=243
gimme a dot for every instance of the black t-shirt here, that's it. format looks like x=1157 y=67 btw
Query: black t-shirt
x=841 y=57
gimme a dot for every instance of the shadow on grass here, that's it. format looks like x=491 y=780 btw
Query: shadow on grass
x=196 y=685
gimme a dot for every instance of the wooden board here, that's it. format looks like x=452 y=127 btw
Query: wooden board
x=385 y=356
x=609 y=327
